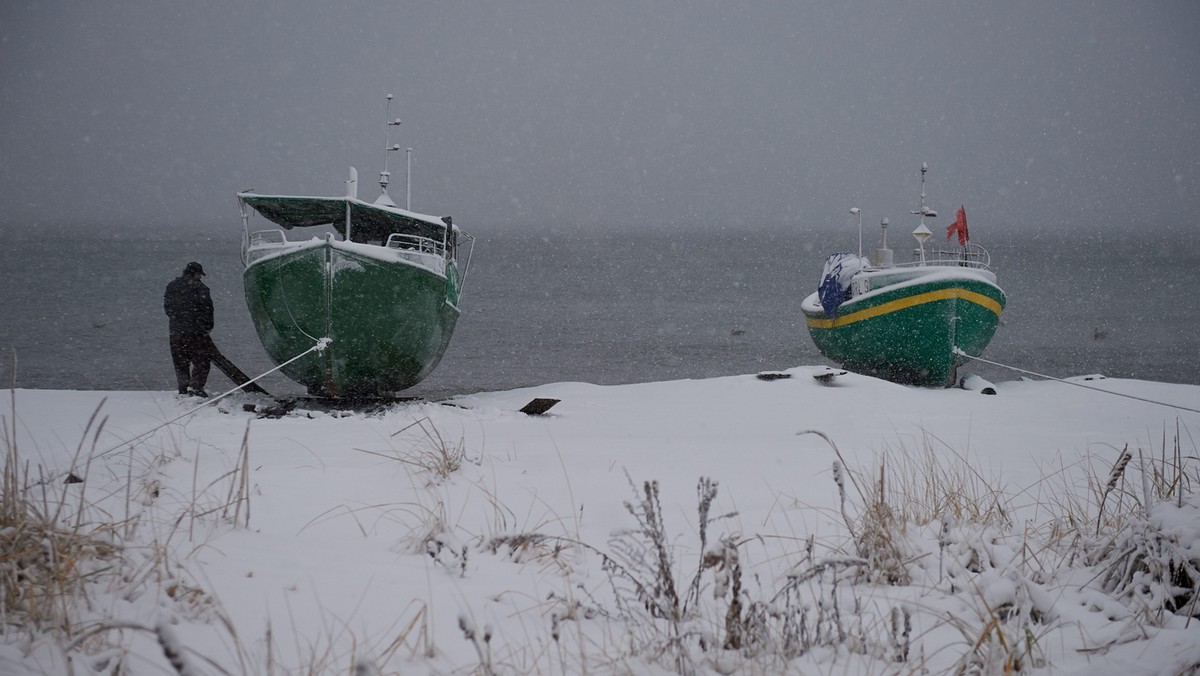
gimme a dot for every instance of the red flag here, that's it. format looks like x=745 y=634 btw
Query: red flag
x=959 y=226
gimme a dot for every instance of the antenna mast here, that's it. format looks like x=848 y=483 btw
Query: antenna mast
x=924 y=210
x=385 y=175
x=922 y=232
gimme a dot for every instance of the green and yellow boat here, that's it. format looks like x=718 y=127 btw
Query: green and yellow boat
x=913 y=323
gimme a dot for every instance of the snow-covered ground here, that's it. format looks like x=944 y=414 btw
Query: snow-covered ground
x=464 y=536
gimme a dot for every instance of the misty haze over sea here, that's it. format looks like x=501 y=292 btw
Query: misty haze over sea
x=615 y=307
x=1063 y=114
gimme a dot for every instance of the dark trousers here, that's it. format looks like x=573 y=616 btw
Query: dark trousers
x=190 y=354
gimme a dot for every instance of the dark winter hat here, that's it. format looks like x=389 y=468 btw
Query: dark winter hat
x=194 y=268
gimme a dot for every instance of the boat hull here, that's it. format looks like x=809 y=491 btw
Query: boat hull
x=389 y=321
x=916 y=333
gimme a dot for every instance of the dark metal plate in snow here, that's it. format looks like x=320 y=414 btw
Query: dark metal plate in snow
x=826 y=377
x=772 y=375
x=539 y=406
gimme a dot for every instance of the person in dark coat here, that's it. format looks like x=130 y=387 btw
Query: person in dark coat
x=189 y=310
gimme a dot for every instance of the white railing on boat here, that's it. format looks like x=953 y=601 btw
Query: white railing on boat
x=261 y=237
x=969 y=256
x=261 y=243
x=398 y=240
x=423 y=251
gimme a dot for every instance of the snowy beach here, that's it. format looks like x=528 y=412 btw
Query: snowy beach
x=463 y=536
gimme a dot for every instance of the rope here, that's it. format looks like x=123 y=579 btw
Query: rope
x=295 y=323
x=322 y=343
x=1068 y=382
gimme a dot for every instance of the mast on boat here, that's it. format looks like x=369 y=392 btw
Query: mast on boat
x=385 y=176
x=922 y=232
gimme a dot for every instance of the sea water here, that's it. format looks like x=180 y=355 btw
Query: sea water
x=553 y=305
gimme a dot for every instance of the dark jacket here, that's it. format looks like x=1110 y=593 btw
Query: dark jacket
x=188 y=306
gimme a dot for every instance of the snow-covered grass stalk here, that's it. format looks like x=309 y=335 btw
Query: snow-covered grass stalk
x=642 y=571
x=1002 y=639
x=238 y=497
x=481 y=641
x=1114 y=477
x=173 y=649
x=878 y=537
x=432 y=452
x=234 y=506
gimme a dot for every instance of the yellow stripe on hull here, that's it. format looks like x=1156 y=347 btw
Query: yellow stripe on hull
x=903 y=303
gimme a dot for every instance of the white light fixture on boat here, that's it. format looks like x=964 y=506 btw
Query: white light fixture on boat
x=883 y=255
x=858 y=212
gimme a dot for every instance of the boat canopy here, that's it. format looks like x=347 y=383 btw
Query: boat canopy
x=368 y=221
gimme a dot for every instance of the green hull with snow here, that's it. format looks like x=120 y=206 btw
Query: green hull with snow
x=389 y=323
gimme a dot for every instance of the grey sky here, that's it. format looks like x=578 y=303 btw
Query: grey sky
x=640 y=113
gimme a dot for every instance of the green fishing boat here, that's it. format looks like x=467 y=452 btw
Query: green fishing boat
x=913 y=323
x=381 y=285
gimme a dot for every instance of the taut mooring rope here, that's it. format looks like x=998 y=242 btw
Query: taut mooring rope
x=1086 y=387
x=320 y=346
